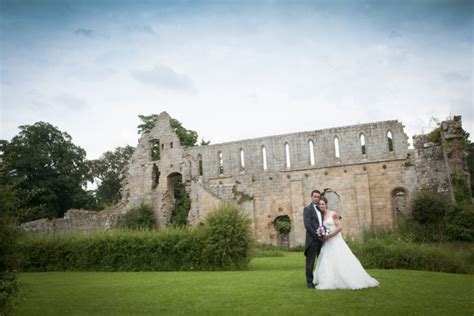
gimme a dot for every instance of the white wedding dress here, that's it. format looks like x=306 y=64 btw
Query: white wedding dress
x=338 y=267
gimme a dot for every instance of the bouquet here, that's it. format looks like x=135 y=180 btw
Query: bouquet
x=322 y=231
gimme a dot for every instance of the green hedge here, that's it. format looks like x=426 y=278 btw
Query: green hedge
x=223 y=243
x=388 y=250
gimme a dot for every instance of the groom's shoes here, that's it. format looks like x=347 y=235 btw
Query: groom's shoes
x=311 y=286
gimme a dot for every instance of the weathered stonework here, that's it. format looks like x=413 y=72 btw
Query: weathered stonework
x=370 y=186
x=73 y=220
x=370 y=189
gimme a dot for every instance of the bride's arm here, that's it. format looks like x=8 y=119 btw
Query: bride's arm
x=338 y=222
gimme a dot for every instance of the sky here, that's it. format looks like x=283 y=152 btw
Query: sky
x=232 y=70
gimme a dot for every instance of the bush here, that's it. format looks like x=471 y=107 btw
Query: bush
x=228 y=237
x=459 y=223
x=462 y=191
x=8 y=263
x=120 y=250
x=182 y=205
x=429 y=208
x=433 y=219
x=384 y=249
x=283 y=224
x=139 y=218
x=221 y=244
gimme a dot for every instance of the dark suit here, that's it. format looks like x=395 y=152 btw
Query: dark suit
x=313 y=245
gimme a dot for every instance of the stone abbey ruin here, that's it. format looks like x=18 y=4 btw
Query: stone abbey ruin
x=366 y=171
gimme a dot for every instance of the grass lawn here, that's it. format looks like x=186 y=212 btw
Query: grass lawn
x=274 y=285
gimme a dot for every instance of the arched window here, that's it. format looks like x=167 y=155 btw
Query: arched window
x=287 y=155
x=362 y=144
x=311 y=152
x=390 y=141
x=399 y=201
x=155 y=149
x=155 y=176
x=199 y=157
x=221 y=162
x=242 y=159
x=264 y=157
x=336 y=147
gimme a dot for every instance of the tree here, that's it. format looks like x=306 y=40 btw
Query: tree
x=107 y=171
x=43 y=174
x=148 y=122
x=186 y=137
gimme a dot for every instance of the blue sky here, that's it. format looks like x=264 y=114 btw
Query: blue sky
x=232 y=69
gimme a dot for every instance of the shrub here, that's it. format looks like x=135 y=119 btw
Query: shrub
x=459 y=222
x=221 y=244
x=138 y=218
x=381 y=254
x=228 y=237
x=182 y=205
x=8 y=262
x=283 y=224
x=171 y=249
x=435 y=135
x=429 y=208
x=462 y=192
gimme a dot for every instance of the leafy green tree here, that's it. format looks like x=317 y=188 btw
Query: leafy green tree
x=107 y=171
x=148 y=122
x=43 y=174
x=186 y=137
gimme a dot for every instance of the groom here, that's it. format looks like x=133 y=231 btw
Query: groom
x=313 y=218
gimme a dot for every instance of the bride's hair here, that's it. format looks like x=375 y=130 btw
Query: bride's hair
x=324 y=199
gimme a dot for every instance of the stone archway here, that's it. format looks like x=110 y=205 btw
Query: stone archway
x=400 y=204
x=172 y=179
x=282 y=225
x=179 y=202
x=333 y=199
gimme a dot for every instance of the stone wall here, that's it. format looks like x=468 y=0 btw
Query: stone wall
x=274 y=176
x=74 y=221
x=361 y=184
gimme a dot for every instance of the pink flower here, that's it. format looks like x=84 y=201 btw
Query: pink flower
x=322 y=231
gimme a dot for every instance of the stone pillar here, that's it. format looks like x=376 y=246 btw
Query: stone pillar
x=298 y=232
x=364 y=211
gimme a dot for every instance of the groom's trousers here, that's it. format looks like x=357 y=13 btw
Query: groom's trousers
x=311 y=253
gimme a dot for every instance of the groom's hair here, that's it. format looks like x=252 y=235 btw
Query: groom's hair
x=315 y=191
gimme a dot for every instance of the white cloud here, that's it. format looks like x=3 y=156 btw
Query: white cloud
x=236 y=75
x=165 y=78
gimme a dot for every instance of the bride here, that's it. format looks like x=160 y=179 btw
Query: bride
x=337 y=266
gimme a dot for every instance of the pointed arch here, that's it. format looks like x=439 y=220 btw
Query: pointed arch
x=363 y=147
x=390 y=140
x=242 y=159
x=311 y=152
x=287 y=156
x=336 y=147
x=264 y=158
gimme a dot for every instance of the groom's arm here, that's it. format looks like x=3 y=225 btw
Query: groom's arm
x=307 y=223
